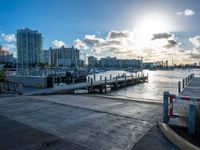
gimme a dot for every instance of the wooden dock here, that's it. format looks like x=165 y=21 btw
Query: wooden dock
x=101 y=86
x=192 y=89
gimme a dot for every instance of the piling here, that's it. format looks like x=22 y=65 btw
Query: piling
x=94 y=77
x=183 y=84
x=105 y=85
x=91 y=85
x=116 y=82
x=179 y=87
x=192 y=119
x=20 y=92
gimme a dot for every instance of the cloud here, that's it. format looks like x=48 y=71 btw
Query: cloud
x=58 y=44
x=8 y=37
x=195 y=41
x=186 y=12
x=92 y=40
x=129 y=44
x=165 y=35
x=11 y=48
x=118 y=34
x=195 y=53
x=80 y=45
x=170 y=44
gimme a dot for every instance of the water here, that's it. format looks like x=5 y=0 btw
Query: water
x=159 y=81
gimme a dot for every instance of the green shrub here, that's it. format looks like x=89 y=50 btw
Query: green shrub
x=38 y=86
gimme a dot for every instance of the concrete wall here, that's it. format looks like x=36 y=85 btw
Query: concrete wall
x=31 y=81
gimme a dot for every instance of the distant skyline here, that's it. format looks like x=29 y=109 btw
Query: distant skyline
x=155 y=30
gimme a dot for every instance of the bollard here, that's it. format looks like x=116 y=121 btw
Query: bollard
x=192 y=119
x=179 y=87
x=20 y=92
x=183 y=84
x=100 y=77
x=165 y=107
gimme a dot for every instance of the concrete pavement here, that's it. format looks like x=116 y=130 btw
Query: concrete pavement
x=89 y=122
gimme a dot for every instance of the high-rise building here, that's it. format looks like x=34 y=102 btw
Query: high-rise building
x=29 y=48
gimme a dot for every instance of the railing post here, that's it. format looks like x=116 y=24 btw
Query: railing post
x=183 y=84
x=165 y=107
x=179 y=87
x=88 y=78
x=20 y=92
x=192 y=119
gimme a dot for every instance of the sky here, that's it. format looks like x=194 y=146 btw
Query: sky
x=153 y=29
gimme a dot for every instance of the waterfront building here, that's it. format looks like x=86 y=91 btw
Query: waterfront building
x=6 y=57
x=29 y=48
x=64 y=57
x=148 y=65
x=108 y=63
x=92 y=61
x=114 y=63
x=45 y=57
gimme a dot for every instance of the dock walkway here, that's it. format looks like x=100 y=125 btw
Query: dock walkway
x=92 y=85
x=192 y=89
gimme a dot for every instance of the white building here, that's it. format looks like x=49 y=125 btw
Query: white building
x=64 y=57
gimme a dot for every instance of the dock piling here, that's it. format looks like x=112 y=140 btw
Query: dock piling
x=192 y=119
x=179 y=87
x=91 y=85
x=20 y=92
x=105 y=85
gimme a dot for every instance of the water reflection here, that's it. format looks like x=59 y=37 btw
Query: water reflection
x=159 y=81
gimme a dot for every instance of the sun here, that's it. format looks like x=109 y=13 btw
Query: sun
x=154 y=23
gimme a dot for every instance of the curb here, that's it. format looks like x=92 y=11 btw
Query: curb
x=128 y=99
x=176 y=139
